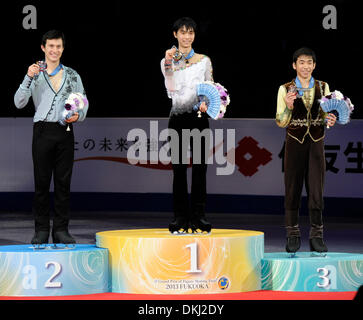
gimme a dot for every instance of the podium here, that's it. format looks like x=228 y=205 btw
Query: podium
x=311 y=272
x=25 y=271
x=153 y=261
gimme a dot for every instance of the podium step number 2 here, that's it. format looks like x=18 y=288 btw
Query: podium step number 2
x=48 y=272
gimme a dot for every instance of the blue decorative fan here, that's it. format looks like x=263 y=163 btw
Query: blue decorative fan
x=208 y=93
x=339 y=108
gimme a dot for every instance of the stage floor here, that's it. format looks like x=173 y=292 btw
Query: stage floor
x=341 y=234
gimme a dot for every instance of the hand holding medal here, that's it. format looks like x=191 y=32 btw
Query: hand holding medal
x=36 y=68
x=169 y=54
x=290 y=97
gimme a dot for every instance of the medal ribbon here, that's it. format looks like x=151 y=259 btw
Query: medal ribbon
x=298 y=85
x=56 y=70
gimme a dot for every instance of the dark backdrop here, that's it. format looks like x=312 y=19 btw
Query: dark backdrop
x=116 y=47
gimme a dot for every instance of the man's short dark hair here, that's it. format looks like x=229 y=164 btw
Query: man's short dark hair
x=304 y=52
x=186 y=22
x=53 y=34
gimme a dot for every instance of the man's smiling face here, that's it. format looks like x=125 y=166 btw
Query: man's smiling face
x=185 y=37
x=304 y=67
x=53 y=49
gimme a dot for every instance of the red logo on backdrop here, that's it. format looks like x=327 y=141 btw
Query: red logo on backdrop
x=249 y=156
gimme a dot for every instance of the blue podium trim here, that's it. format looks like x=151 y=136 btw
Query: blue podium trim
x=25 y=271
x=310 y=272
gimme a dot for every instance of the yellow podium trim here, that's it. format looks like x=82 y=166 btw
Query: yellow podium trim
x=155 y=261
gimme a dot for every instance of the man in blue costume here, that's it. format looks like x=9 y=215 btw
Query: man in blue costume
x=53 y=143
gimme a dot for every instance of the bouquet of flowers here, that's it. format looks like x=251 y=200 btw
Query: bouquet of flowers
x=75 y=102
x=339 y=105
x=216 y=98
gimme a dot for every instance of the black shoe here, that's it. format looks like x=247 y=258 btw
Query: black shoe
x=318 y=245
x=179 y=224
x=62 y=237
x=200 y=223
x=40 y=237
x=293 y=244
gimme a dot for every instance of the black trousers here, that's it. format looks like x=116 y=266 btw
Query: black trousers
x=53 y=155
x=181 y=206
x=304 y=163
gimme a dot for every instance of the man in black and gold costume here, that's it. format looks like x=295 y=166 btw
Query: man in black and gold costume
x=298 y=109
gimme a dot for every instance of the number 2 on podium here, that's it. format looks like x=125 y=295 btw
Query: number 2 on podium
x=30 y=276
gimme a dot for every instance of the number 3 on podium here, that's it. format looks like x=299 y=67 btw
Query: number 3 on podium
x=328 y=276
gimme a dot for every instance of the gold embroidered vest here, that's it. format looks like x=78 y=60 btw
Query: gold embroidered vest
x=308 y=118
